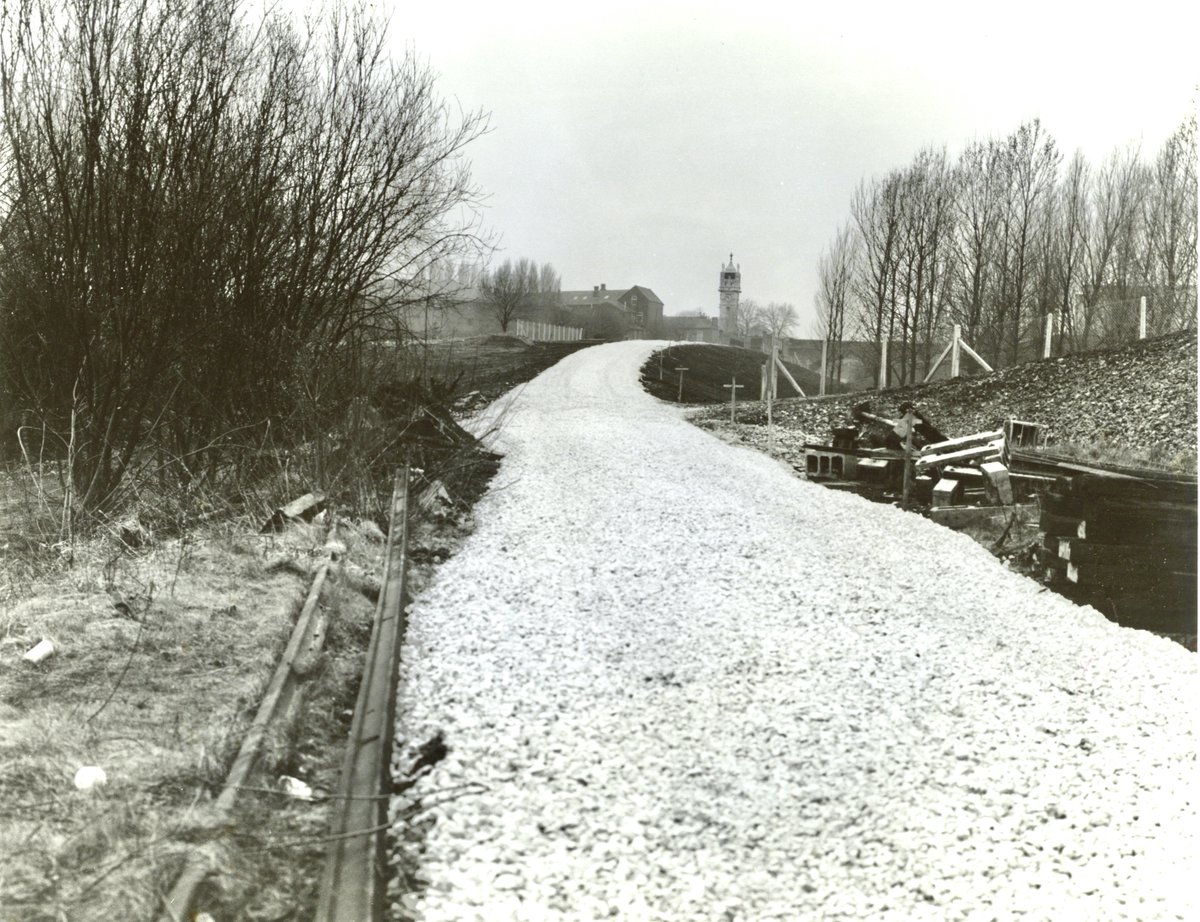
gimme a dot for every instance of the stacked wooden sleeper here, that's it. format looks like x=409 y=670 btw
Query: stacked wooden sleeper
x=1126 y=545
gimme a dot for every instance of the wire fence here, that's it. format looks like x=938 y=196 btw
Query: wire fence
x=1088 y=325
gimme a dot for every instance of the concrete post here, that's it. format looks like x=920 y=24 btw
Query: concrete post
x=824 y=356
x=955 y=345
x=1142 y=318
x=1049 y=336
x=883 y=363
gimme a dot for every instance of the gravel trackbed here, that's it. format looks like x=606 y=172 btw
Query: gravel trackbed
x=677 y=682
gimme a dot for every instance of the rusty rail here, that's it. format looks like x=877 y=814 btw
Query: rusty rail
x=306 y=636
x=353 y=885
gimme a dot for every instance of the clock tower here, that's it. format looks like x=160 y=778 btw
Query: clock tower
x=729 y=287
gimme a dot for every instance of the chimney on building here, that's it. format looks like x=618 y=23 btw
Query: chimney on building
x=595 y=289
x=603 y=287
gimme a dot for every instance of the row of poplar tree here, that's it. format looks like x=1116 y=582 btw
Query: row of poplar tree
x=1005 y=234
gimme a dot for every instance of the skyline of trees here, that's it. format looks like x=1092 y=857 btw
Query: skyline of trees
x=1004 y=235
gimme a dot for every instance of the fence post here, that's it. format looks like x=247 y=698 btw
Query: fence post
x=824 y=354
x=955 y=350
x=1142 y=318
x=1049 y=335
x=883 y=360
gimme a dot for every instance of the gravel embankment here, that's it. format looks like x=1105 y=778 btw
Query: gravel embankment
x=679 y=683
x=1140 y=398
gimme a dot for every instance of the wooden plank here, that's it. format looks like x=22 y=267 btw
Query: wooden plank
x=962 y=441
x=1144 y=556
x=1119 y=529
x=988 y=451
x=957 y=517
x=997 y=484
x=1130 y=579
x=947 y=492
x=1055 y=525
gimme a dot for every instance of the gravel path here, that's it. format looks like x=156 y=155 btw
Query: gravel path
x=681 y=683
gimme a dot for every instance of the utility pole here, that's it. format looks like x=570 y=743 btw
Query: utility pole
x=679 y=399
x=733 y=389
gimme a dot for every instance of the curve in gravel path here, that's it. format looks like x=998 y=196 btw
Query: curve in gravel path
x=690 y=685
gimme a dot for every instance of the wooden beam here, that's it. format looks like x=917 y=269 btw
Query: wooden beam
x=962 y=441
x=980 y=452
x=787 y=374
x=941 y=358
x=976 y=356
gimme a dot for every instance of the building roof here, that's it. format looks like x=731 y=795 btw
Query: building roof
x=581 y=298
x=590 y=296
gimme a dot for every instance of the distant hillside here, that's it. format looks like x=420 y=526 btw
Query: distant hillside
x=1139 y=398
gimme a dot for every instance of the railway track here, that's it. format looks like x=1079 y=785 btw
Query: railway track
x=353 y=886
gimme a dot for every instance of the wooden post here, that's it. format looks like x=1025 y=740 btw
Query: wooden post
x=1142 y=318
x=1049 y=336
x=762 y=382
x=679 y=399
x=733 y=389
x=824 y=355
x=883 y=360
x=908 y=459
x=772 y=384
x=955 y=345
x=660 y=358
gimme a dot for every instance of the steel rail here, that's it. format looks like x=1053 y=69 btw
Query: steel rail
x=274 y=702
x=354 y=883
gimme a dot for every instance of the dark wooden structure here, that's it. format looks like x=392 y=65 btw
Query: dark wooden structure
x=1125 y=544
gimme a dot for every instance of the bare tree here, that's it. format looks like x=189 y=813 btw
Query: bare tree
x=1115 y=206
x=1169 y=260
x=835 y=273
x=978 y=201
x=876 y=210
x=521 y=289
x=749 y=318
x=1069 y=239
x=201 y=210
x=779 y=318
x=1030 y=164
x=507 y=289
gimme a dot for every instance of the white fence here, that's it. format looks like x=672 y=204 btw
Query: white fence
x=545 y=332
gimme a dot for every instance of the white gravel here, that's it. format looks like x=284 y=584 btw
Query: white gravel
x=684 y=684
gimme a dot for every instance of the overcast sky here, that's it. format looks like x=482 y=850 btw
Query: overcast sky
x=641 y=143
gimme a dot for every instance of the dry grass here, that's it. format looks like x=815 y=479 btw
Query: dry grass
x=161 y=657
x=162 y=654
x=1103 y=450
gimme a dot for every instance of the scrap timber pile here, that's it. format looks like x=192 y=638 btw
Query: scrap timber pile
x=1121 y=539
x=869 y=455
x=1125 y=545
